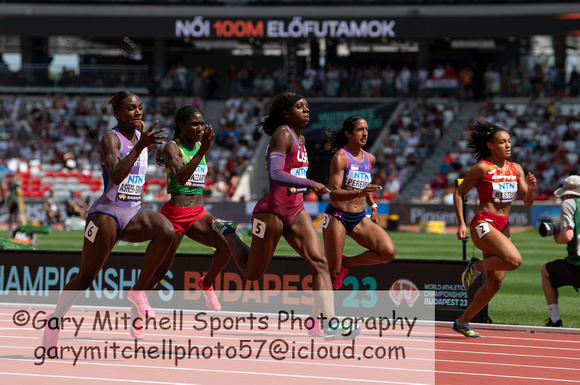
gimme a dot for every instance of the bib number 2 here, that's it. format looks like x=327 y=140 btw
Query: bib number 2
x=482 y=229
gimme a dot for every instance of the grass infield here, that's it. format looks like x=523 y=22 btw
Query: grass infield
x=520 y=301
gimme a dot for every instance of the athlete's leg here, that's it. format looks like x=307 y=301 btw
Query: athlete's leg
x=99 y=240
x=253 y=260
x=501 y=253
x=166 y=263
x=144 y=226
x=303 y=237
x=202 y=232
x=334 y=239
x=483 y=295
x=370 y=235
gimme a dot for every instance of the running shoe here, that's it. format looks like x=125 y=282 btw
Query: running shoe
x=465 y=330
x=137 y=324
x=50 y=337
x=224 y=227
x=470 y=273
x=139 y=299
x=337 y=332
x=557 y=324
x=211 y=299
x=341 y=274
x=315 y=331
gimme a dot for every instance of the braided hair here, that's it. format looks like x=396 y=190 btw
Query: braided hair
x=481 y=134
x=181 y=117
x=337 y=137
x=276 y=118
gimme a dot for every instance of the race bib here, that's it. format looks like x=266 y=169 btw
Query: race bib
x=299 y=172
x=504 y=192
x=258 y=228
x=197 y=179
x=482 y=229
x=130 y=189
x=325 y=220
x=356 y=179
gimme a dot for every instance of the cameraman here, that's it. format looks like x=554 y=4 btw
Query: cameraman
x=563 y=272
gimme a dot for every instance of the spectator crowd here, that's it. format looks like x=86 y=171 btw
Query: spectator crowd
x=44 y=135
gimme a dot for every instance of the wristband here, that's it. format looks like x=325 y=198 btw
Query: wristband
x=373 y=206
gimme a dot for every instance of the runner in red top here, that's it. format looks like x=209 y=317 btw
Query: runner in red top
x=497 y=182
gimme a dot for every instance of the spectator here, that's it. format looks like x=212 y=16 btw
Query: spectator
x=75 y=206
x=427 y=193
x=52 y=210
x=14 y=202
x=392 y=188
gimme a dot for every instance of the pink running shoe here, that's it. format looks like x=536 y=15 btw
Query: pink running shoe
x=315 y=331
x=341 y=274
x=50 y=337
x=210 y=298
x=137 y=324
x=139 y=298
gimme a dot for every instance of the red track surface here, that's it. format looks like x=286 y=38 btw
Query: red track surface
x=507 y=357
x=433 y=355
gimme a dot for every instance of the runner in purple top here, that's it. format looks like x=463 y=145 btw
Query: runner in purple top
x=350 y=193
x=117 y=214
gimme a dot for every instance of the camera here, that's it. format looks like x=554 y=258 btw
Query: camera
x=547 y=228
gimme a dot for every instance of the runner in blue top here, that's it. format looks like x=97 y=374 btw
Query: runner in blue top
x=117 y=214
x=350 y=192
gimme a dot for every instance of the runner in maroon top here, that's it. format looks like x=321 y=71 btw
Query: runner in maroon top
x=281 y=212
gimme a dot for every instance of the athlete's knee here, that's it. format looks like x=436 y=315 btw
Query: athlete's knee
x=544 y=271
x=514 y=262
x=388 y=253
x=222 y=252
x=319 y=264
x=165 y=231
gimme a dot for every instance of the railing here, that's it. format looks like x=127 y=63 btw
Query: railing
x=91 y=79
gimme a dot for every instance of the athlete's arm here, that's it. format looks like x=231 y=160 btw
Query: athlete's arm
x=475 y=174
x=338 y=164
x=526 y=185
x=280 y=145
x=280 y=177
x=174 y=162
x=118 y=168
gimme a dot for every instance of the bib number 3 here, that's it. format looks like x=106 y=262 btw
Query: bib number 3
x=324 y=221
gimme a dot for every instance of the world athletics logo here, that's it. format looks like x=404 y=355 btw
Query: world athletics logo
x=404 y=290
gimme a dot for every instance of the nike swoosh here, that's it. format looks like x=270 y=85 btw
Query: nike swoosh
x=129 y=147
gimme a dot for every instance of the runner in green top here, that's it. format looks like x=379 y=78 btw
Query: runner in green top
x=196 y=182
x=184 y=158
